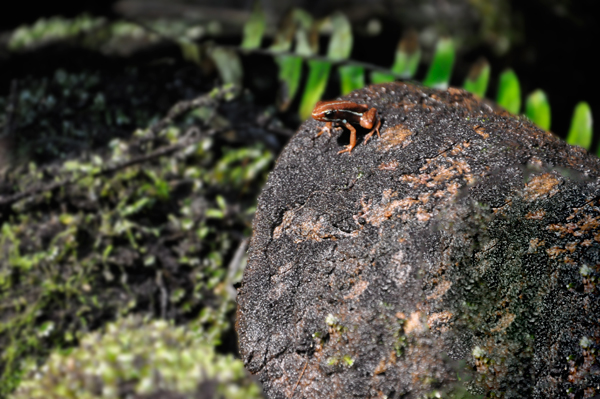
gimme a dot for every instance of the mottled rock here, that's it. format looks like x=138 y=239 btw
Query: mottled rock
x=459 y=250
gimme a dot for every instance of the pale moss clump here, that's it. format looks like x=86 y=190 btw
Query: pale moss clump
x=135 y=359
x=51 y=29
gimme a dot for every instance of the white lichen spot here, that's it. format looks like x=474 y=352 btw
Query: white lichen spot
x=585 y=270
x=331 y=320
x=478 y=353
x=585 y=342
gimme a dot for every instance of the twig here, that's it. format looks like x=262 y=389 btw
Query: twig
x=234 y=267
x=299 y=378
x=163 y=294
x=442 y=152
x=11 y=108
x=7 y=201
x=179 y=108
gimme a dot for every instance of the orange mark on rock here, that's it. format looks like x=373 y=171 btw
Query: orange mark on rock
x=302 y=225
x=454 y=91
x=381 y=367
x=536 y=215
x=377 y=214
x=541 y=185
x=393 y=165
x=534 y=243
x=440 y=289
x=424 y=197
x=414 y=324
x=571 y=247
x=418 y=179
x=440 y=321
x=453 y=188
x=423 y=215
x=357 y=290
x=395 y=136
x=442 y=174
x=587 y=223
x=481 y=131
x=555 y=252
x=504 y=322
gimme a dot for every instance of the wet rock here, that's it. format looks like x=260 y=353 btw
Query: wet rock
x=458 y=251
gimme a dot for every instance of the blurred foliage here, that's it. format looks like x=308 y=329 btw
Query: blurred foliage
x=136 y=358
x=581 y=132
x=126 y=230
x=408 y=55
x=113 y=37
x=118 y=37
x=537 y=109
x=478 y=78
x=509 y=92
x=440 y=69
x=71 y=112
x=52 y=29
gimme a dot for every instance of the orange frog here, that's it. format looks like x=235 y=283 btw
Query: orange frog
x=347 y=113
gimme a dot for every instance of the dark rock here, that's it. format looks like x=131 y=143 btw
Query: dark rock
x=460 y=249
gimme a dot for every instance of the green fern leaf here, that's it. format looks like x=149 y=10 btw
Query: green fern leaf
x=228 y=65
x=351 y=78
x=296 y=22
x=537 y=109
x=318 y=74
x=381 y=77
x=340 y=46
x=478 y=78
x=189 y=51
x=440 y=70
x=408 y=55
x=254 y=28
x=509 y=92
x=290 y=74
x=581 y=132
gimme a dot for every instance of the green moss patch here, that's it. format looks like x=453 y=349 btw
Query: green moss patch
x=146 y=225
x=137 y=359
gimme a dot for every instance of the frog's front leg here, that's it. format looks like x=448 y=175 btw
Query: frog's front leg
x=369 y=120
x=352 y=144
x=327 y=128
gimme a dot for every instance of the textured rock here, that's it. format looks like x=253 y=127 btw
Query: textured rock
x=462 y=243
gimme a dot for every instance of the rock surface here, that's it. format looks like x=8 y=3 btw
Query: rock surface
x=459 y=250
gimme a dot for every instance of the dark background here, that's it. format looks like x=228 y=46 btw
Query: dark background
x=553 y=42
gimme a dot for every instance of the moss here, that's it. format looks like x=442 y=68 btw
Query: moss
x=51 y=29
x=134 y=358
x=140 y=239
